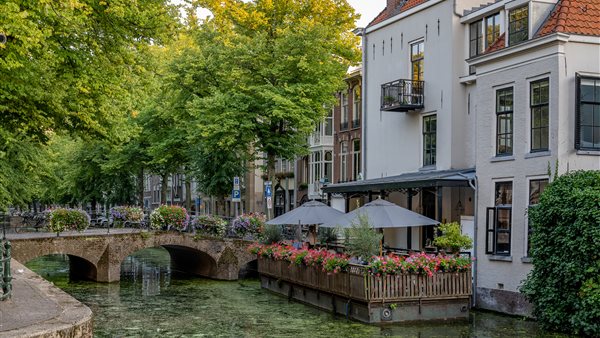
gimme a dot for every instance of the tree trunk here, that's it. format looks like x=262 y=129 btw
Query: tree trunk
x=140 y=183
x=163 y=188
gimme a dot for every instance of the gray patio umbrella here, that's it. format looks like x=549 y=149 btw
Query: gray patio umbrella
x=383 y=214
x=309 y=213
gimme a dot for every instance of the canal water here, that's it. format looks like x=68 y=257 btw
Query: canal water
x=151 y=301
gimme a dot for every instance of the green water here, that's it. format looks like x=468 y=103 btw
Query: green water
x=152 y=302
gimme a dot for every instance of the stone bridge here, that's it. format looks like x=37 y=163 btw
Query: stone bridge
x=99 y=257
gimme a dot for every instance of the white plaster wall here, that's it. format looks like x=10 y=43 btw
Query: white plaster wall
x=394 y=139
x=338 y=203
x=558 y=62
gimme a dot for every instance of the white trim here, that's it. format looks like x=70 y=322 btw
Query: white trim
x=529 y=123
x=403 y=15
x=481 y=13
x=533 y=43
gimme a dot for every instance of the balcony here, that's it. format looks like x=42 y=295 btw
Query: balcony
x=344 y=125
x=403 y=95
x=355 y=124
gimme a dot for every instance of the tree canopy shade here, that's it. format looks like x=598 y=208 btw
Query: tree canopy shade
x=269 y=71
x=66 y=63
x=70 y=66
x=564 y=285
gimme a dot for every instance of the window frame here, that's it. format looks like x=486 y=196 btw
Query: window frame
x=356 y=165
x=343 y=162
x=578 y=113
x=513 y=34
x=477 y=39
x=417 y=59
x=492 y=221
x=506 y=136
x=431 y=159
x=530 y=205
x=533 y=106
x=495 y=33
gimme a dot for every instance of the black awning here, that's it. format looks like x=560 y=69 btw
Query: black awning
x=422 y=179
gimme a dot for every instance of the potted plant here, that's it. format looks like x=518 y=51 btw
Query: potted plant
x=452 y=239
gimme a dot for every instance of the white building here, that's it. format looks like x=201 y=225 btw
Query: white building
x=535 y=91
x=418 y=133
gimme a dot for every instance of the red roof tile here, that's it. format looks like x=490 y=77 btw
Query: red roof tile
x=497 y=45
x=398 y=7
x=573 y=16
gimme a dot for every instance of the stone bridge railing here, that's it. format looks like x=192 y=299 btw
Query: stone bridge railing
x=99 y=257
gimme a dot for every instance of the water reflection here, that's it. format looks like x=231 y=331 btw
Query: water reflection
x=150 y=301
x=148 y=271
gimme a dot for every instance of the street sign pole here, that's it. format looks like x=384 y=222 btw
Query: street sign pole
x=269 y=197
x=236 y=195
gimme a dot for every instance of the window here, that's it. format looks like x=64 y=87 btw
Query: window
x=429 y=139
x=504 y=122
x=492 y=29
x=357 y=107
x=355 y=159
x=316 y=159
x=539 y=115
x=587 y=132
x=536 y=188
x=417 y=56
x=328 y=165
x=343 y=161
x=344 y=123
x=518 y=28
x=329 y=123
x=499 y=221
x=475 y=38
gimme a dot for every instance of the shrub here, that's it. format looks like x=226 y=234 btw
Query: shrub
x=123 y=214
x=563 y=285
x=327 y=235
x=210 y=225
x=271 y=234
x=452 y=238
x=62 y=219
x=364 y=241
x=169 y=217
x=251 y=223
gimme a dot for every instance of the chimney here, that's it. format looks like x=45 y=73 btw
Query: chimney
x=393 y=4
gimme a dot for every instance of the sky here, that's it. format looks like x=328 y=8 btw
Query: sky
x=368 y=9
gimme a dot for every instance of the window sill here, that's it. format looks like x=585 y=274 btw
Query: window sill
x=427 y=168
x=526 y=260
x=589 y=152
x=500 y=258
x=538 y=154
x=502 y=158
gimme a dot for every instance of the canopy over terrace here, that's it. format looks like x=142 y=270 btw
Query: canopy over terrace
x=443 y=195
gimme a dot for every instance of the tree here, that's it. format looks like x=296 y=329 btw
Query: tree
x=267 y=72
x=364 y=241
x=564 y=284
x=452 y=238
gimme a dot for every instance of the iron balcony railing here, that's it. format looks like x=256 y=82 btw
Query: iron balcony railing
x=344 y=125
x=403 y=95
x=355 y=123
x=5 y=276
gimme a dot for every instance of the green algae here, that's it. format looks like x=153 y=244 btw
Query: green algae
x=151 y=301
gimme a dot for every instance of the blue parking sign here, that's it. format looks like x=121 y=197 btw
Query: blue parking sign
x=268 y=192
x=236 y=195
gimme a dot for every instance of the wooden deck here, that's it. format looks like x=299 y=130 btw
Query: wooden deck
x=358 y=285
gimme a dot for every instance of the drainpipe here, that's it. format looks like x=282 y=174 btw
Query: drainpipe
x=475 y=186
x=363 y=140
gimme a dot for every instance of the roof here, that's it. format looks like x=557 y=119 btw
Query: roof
x=399 y=7
x=475 y=9
x=421 y=179
x=573 y=16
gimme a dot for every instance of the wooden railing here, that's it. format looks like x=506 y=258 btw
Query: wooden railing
x=358 y=284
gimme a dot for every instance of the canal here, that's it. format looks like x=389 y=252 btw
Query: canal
x=152 y=301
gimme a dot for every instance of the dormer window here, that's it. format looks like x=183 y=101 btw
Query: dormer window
x=518 y=27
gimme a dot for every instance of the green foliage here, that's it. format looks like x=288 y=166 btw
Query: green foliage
x=364 y=241
x=210 y=225
x=62 y=219
x=169 y=216
x=271 y=234
x=452 y=238
x=564 y=285
x=327 y=235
